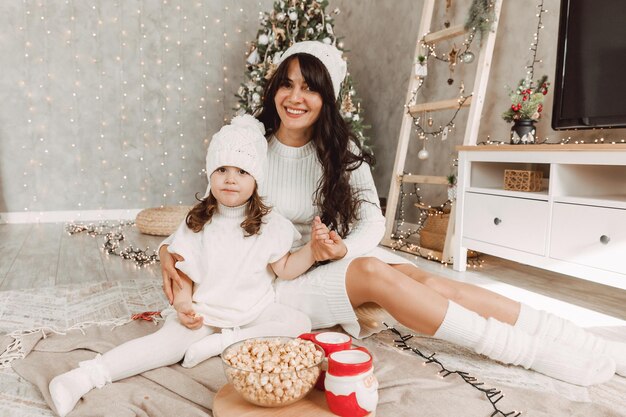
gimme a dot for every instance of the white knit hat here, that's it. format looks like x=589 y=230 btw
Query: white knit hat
x=328 y=54
x=240 y=144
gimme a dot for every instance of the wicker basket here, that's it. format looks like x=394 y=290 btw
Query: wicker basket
x=431 y=240
x=433 y=234
x=161 y=221
x=520 y=180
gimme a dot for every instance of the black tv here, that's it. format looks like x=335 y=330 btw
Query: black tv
x=590 y=81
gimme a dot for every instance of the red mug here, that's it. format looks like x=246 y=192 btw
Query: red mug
x=330 y=342
x=351 y=387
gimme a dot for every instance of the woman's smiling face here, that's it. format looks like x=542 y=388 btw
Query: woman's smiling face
x=297 y=105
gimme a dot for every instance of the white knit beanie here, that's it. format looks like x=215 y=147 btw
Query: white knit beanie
x=240 y=144
x=328 y=54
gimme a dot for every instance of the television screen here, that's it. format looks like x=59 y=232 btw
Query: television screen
x=590 y=81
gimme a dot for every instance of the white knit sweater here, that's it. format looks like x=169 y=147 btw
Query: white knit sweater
x=291 y=180
x=232 y=279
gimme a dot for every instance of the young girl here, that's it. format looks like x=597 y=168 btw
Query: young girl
x=316 y=168
x=230 y=246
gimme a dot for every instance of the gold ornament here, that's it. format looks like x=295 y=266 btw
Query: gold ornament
x=270 y=71
x=346 y=103
x=279 y=34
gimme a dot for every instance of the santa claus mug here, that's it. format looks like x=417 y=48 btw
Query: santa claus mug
x=351 y=387
x=330 y=342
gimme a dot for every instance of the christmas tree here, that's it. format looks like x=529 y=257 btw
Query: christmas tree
x=294 y=21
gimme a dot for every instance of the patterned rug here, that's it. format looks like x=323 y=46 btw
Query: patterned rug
x=62 y=307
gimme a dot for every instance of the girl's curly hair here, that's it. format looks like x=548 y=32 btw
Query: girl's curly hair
x=203 y=212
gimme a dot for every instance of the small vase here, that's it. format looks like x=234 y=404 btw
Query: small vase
x=523 y=132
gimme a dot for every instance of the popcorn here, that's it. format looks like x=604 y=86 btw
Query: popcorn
x=273 y=372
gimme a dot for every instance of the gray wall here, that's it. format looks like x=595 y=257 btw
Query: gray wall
x=110 y=104
x=113 y=108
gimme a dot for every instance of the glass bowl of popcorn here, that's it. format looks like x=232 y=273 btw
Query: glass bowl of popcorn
x=273 y=371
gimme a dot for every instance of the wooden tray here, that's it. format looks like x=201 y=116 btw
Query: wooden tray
x=228 y=403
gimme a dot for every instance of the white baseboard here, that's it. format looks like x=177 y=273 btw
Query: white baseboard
x=67 y=216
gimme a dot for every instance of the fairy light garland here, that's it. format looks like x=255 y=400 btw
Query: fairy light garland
x=534 y=46
x=451 y=58
x=464 y=54
x=493 y=395
x=563 y=141
x=182 y=99
x=26 y=84
x=123 y=82
x=402 y=237
x=113 y=236
x=112 y=54
x=142 y=102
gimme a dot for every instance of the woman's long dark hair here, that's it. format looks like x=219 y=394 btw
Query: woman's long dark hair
x=334 y=196
x=203 y=212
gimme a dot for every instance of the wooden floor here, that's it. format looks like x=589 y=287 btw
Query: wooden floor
x=35 y=255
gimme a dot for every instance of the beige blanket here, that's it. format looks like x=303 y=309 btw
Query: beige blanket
x=407 y=387
x=163 y=392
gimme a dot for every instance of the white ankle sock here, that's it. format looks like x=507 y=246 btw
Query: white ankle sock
x=203 y=349
x=510 y=345
x=552 y=327
x=275 y=320
x=66 y=389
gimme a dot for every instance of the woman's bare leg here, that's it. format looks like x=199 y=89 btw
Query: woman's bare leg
x=426 y=311
x=410 y=302
x=484 y=302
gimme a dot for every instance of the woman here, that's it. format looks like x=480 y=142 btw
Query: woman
x=316 y=167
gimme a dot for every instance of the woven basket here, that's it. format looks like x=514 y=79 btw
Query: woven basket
x=433 y=234
x=433 y=241
x=161 y=221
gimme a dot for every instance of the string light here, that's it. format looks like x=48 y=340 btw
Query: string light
x=493 y=395
x=402 y=236
x=451 y=59
x=534 y=46
x=118 y=58
x=113 y=236
x=25 y=84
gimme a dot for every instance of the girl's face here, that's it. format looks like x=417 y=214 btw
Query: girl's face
x=298 y=107
x=232 y=186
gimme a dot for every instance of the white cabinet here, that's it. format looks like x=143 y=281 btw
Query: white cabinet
x=511 y=222
x=600 y=240
x=575 y=225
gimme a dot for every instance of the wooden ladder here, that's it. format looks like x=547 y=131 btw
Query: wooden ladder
x=474 y=102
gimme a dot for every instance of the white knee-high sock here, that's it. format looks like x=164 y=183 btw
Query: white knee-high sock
x=275 y=320
x=552 y=327
x=66 y=389
x=510 y=345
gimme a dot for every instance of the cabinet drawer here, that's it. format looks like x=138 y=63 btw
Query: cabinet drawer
x=591 y=236
x=515 y=223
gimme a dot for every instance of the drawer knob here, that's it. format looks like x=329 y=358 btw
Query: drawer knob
x=497 y=221
x=604 y=239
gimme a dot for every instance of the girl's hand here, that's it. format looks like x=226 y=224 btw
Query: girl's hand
x=168 y=271
x=326 y=244
x=189 y=318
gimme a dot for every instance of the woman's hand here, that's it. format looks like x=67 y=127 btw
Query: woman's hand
x=169 y=272
x=326 y=244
